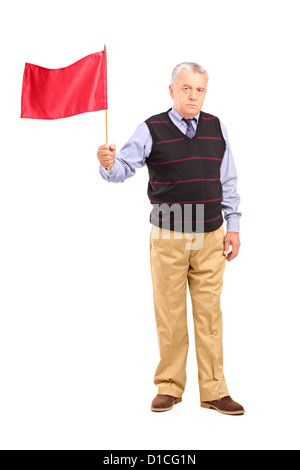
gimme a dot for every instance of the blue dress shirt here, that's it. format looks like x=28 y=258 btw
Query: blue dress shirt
x=135 y=151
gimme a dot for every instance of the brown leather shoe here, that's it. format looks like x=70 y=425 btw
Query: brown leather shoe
x=164 y=402
x=225 y=405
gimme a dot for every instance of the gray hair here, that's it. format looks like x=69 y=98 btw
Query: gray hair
x=190 y=66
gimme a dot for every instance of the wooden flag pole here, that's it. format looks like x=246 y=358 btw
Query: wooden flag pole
x=106 y=133
x=106 y=121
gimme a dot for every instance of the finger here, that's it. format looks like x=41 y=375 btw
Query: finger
x=105 y=153
x=232 y=255
x=226 y=246
x=103 y=148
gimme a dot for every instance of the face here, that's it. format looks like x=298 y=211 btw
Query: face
x=188 y=93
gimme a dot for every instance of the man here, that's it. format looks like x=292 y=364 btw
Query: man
x=192 y=178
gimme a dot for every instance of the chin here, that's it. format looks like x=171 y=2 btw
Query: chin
x=192 y=111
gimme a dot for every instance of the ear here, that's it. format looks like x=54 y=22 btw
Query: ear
x=171 y=91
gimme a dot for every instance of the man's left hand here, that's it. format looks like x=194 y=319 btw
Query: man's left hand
x=233 y=239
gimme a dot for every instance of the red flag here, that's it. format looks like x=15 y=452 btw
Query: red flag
x=59 y=93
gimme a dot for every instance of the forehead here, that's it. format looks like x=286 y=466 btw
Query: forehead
x=194 y=79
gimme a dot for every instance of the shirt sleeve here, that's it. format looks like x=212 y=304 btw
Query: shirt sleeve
x=131 y=156
x=231 y=199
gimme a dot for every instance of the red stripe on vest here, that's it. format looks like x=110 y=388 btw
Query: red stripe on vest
x=188 y=202
x=167 y=141
x=212 y=138
x=184 y=159
x=185 y=181
x=188 y=221
x=208 y=119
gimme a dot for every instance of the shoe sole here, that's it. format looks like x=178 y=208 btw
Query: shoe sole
x=178 y=400
x=209 y=407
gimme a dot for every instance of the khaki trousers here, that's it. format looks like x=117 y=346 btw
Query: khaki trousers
x=197 y=259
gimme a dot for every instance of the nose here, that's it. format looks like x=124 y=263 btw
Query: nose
x=193 y=95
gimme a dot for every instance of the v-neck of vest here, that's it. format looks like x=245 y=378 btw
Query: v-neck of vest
x=180 y=132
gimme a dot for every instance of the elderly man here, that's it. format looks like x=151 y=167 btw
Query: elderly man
x=192 y=178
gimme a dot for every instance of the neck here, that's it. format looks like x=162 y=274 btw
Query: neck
x=186 y=116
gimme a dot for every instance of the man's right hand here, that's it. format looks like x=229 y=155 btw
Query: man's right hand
x=106 y=155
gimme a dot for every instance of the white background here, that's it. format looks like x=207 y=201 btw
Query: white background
x=78 y=341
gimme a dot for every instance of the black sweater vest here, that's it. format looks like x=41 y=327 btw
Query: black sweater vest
x=187 y=172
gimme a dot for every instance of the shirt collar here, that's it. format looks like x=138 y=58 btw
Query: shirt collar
x=178 y=118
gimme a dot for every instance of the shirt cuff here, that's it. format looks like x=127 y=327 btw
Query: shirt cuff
x=233 y=224
x=104 y=173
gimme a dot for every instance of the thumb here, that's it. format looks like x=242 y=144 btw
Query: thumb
x=226 y=245
x=112 y=147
